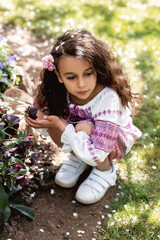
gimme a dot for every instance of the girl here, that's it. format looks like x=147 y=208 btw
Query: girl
x=86 y=103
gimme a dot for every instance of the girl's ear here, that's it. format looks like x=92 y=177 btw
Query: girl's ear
x=58 y=76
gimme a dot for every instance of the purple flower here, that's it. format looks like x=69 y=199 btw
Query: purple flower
x=33 y=158
x=2 y=124
x=11 y=60
x=11 y=122
x=13 y=119
x=14 y=168
x=5 y=80
x=10 y=152
x=32 y=112
x=20 y=180
x=1 y=38
x=1 y=65
x=25 y=143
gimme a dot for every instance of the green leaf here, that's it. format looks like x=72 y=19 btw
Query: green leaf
x=7 y=213
x=13 y=191
x=1 y=216
x=23 y=209
x=3 y=198
x=2 y=134
x=9 y=184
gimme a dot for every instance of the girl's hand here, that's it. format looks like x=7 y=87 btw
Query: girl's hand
x=44 y=121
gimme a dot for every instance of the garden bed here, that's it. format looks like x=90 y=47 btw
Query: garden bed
x=57 y=214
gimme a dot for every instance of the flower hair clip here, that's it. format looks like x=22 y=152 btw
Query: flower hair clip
x=48 y=62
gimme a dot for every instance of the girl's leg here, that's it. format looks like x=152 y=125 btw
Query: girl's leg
x=69 y=173
x=104 y=166
x=101 y=178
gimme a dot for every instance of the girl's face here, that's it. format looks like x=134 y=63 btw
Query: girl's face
x=79 y=78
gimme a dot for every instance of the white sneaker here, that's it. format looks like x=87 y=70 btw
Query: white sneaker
x=70 y=171
x=96 y=185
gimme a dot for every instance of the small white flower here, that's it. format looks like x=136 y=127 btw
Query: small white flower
x=75 y=214
x=52 y=191
x=41 y=230
x=109 y=215
x=80 y=231
x=33 y=195
x=67 y=233
x=154 y=167
x=113 y=211
x=73 y=201
x=106 y=206
x=146 y=206
x=102 y=216
x=158 y=236
x=99 y=222
x=119 y=187
x=93 y=239
x=127 y=230
x=151 y=144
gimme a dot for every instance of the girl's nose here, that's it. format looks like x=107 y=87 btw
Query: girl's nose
x=81 y=82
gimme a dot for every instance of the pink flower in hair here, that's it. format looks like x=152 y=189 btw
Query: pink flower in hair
x=48 y=62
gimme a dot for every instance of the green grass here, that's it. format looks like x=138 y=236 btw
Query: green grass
x=132 y=30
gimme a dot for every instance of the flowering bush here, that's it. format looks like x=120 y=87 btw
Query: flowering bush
x=8 y=74
x=15 y=147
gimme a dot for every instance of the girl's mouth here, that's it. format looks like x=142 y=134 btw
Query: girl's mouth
x=83 y=92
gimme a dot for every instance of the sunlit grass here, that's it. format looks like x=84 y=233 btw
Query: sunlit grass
x=132 y=30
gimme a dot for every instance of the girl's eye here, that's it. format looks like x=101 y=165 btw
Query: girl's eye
x=71 y=78
x=89 y=73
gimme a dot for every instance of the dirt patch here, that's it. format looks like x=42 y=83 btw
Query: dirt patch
x=57 y=214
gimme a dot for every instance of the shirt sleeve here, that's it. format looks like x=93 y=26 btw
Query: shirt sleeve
x=108 y=120
x=81 y=144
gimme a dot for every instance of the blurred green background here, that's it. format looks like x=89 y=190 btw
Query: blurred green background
x=132 y=30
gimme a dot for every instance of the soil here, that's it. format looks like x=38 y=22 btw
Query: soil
x=57 y=214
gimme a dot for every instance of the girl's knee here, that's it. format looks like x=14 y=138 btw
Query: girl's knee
x=85 y=127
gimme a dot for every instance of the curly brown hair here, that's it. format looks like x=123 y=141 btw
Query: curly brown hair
x=83 y=45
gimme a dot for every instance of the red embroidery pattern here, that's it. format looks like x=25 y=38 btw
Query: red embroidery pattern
x=108 y=112
x=105 y=136
x=92 y=153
